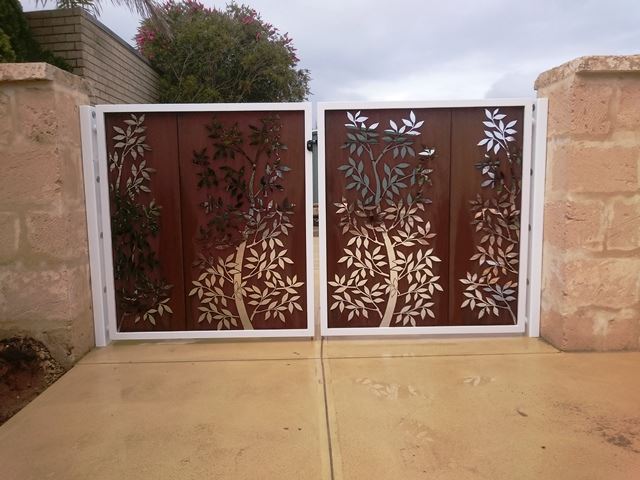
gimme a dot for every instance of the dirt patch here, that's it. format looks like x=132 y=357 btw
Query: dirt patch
x=26 y=370
x=625 y=434
x=622 y=432
x=620 y=441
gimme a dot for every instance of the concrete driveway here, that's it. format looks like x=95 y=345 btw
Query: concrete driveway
x=507 y=408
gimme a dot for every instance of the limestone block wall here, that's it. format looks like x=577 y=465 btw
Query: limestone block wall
x=591 y=264
x=115 y=71
x=44 y=265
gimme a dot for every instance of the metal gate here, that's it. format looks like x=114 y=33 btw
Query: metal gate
x=425 y=217
x=206 y=220
x=200 y=218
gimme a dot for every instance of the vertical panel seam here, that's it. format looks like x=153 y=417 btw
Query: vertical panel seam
x=450 y=262
x=181 y=230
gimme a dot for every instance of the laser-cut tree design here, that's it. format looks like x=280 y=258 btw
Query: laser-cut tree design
x=140 y=290
x=493 y=288
x=383 y=222
x=250 y=282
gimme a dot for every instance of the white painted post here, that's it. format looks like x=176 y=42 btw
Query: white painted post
x=94 y=231
x=537 y=216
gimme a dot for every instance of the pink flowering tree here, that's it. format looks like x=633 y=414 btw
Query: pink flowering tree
x=221 y=55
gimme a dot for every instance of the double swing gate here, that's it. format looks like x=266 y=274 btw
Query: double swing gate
x=200 y=218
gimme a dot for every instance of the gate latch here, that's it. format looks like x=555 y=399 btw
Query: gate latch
x=311 y=143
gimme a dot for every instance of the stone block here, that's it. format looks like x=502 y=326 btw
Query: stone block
x=64 y=29
x=6 y=120
x=573 y=224
x=590 y=104
x=622 y=330
x=61 y=236
x=609 y=168
x=82 y=335
x=577 y=332
x=570 y=332
x=552 y=328
x=61 y=46
x=628 y=113
x=9 y=236
x=41 y=33
x=612 y=329
x=31 y=176
x=80 y=289
x=623 y=232
x=602 y=282
x=38 y=298
x=34 y=23
x=54 y=38
x=72 y=184
x=578 y=107
x=36 y=113
x=553 y=287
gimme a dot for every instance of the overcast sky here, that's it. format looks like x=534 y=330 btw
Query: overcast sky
x=424 y=49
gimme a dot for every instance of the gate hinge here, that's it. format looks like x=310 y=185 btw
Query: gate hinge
x=311 y=143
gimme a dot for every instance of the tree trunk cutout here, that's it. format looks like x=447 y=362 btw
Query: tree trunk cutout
x=238 y=292
x=249 y=221
x=393 y=283
x=383 y=220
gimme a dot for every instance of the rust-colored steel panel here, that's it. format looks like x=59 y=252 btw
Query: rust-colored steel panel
x=144 y=196
x=486 y=179
x=242 y=177
x=387 y=207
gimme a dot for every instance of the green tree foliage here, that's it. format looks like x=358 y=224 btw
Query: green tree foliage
x=22 y=46
x=230 y=55
x=6 y=50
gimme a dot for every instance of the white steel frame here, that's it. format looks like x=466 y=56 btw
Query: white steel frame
x=94 y=224
x=528 y=317
x=536 y=219
x=94 y=153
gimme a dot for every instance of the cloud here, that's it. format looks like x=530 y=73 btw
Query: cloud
x=460 y=79
x=512 y=85
x=429 y=49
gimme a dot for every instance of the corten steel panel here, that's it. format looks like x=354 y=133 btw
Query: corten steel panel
x=142 y=155
x=491 y=253
x=244 y=235
x=384 y=247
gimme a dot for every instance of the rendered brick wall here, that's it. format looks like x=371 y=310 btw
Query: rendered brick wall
x=44 y=265
x=591 y=264
x=115 y=71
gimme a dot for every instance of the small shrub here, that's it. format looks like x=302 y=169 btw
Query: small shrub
x=6 y=50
